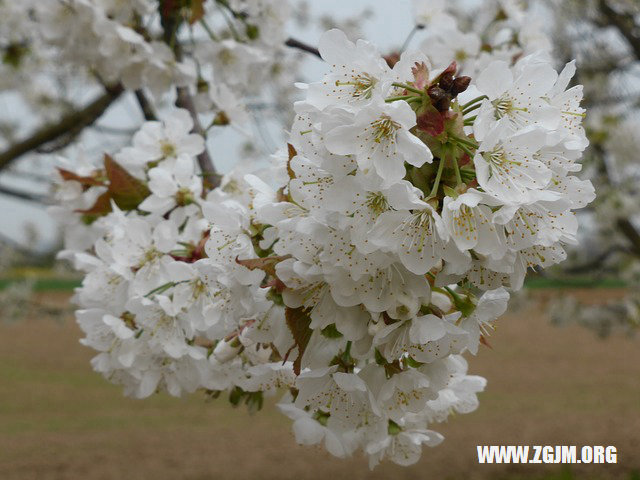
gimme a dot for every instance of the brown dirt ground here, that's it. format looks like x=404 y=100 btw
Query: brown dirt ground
x=547 y=386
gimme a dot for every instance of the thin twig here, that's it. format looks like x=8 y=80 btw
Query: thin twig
x=293 y=43
x=31 y=197
x=185 y=101
x=624 y=23
x=145 y=105
x=170 y=25
x=72 y=122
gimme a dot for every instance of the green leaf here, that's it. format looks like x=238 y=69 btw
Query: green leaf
x=253 y=32
x=330 y=331
x=449 y=192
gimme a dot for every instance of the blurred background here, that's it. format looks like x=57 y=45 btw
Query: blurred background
x=564 y=367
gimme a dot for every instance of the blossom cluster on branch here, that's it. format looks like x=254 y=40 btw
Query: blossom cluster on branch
x=356 y=271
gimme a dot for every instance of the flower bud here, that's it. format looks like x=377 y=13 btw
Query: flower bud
x=446 y=81
x=436 y=93
x=442 y=301
x=225 y=351
x=460 y=84
x=440 y=98
x=392 y=59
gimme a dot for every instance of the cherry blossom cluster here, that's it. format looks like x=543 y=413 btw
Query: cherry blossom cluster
x=354 y=273
x=408 y=190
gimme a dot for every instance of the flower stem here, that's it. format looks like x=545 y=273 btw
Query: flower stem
x=453 y=294
x=468 y=173
x=436 y=182
x=409 y=88
x=401 y=97
x=464 y=141
x=466 y=150
x=456 y=168
x=475 y=100
x=207 y=29
x=471 y=108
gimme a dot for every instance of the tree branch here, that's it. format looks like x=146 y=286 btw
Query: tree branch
x=145 y=105
x=171 y=21
x=74 y=121
x=293 y=43
x=629 y=230
x=31 y=197
x=624 y=23
x=185 y=101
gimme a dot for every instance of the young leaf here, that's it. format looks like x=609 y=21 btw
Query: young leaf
x=197 y=11
x=101 y=207
x=84 y=181
x=421 y=75
x=126 y=190
x=298 y=322
x=266 y=264
x=431 y=121
x=292 y=153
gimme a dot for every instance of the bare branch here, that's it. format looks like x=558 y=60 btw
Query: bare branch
x=31 y=197
x=204 y=159
x=145 y=105
x=624 y=23
x=293 y=43
x=629 y=231
x=171 y=22
x=72 y=122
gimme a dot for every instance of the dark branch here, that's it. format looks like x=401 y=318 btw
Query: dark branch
x=293 y=43
x=624 y=23
x=31 y=197
x=171 y=22
x=67 y=125
x=204 y=160
x=145 y=105
x=629 y=231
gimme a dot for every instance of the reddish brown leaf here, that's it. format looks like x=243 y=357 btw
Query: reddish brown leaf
x=197 y=11
x=101 y=207
x=431 y=122
x=281 y=196
x=421 y=75
x=484 y=341
x=169 y=7
x=298 y=322
x=392 y=59
x=85 y=181
x=276 y=284
x=292 y=153
x=267 y=264
x=126 y=190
